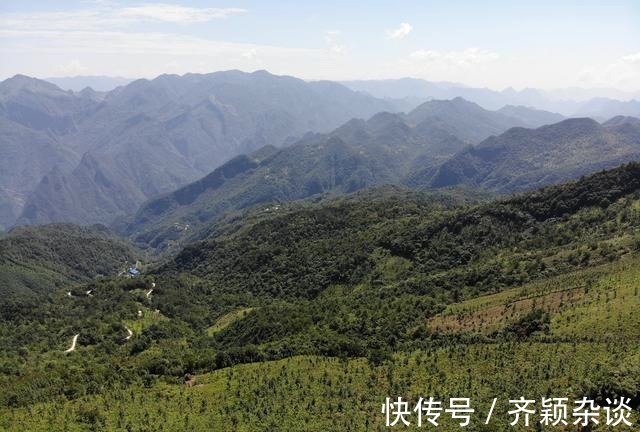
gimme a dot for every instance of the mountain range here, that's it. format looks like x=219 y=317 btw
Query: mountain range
x=89 y=157
x=385 y=149
x=98 y=83
x=160 y=159
x=419 y=150
x=317 y=269
x=601 y=104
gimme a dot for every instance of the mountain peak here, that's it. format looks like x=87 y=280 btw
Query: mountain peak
x=22 y=82
x=582 y=124
x=440 y=104
x=262 y=72
x=467 y=120
x=383 y=119
x=622 y=120
x=462 y=102
x=352 y=125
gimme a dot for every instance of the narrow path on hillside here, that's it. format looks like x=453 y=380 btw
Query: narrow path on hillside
x=129 y=335
x=73 y=344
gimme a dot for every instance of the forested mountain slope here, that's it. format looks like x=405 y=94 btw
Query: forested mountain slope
x=35 y=119
x=464 y=243
x=531 y=116
x=386 y=149
x=467 y=120
x=39 y=260
x=524 y=159
x=387 y=280
x=357 y=155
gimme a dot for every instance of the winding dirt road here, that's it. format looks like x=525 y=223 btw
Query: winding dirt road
x=74 y=341
x=73 y=344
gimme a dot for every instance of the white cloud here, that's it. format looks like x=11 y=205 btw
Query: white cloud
x=331 y=35
x=86 y=19
x=73 y=67
x=332 y=38
x=632 y=58
x=149 y=37
x=177 y=13
x=97 y=42
x=100 y=2
x=138 y=54
x=464 y=58
x=426 y=55
x=401 y=32
x=251 y=54
x=105 y=16
x=106 y=37
x=623 y=73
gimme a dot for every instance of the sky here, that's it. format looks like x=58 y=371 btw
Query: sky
x=490 y=43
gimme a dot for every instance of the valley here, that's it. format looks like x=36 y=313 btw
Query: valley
x=248 y=216
x=332 y=257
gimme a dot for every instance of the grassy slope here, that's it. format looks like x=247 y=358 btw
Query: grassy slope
x=227 y=319
x=597 y=303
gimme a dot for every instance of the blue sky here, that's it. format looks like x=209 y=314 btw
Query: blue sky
x=546 y=44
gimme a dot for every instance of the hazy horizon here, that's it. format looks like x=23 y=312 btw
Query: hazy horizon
x=591 y=91
x=496 y=44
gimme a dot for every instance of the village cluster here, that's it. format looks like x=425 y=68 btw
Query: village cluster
x=550 y=412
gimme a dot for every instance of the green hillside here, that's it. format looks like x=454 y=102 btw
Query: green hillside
x=37 y=260
x=307 y=318
x=525 y=159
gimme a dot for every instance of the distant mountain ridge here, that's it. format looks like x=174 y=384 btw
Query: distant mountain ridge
x=95 y=82
x=391 y=149
x=599 y=103
x=35 y=119
x=531 y=115
x=524 y=159
x=95 y=157
x=104 y=154
x=602 y=108
x=470 y=122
